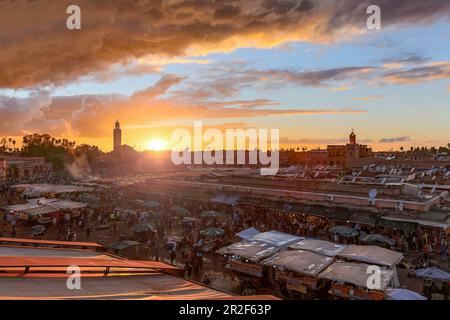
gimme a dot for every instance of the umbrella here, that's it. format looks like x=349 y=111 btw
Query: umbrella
x=433 y=273
x=211 y=214
x=207 y=247
x=344 y=231
x=212 y=232
x=190 y=220
x=143 y=227
x=121 y=245
x=403 y=294
x=180 y=211
x=374 y=238
x=171 y=245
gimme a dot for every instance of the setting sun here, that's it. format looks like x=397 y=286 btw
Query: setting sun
x=157 y=145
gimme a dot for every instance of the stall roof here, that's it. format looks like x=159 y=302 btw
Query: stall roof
x=318 y=246
x=82 y=262
x=21 y=207
x=246 y=234
x=60 y=204
x=38 y=190
x=364 y=218
x=41 y=210
x=433 y=273
x=435 y=219
x=64 y=244
x=44 y=206
x=403 y=294
x=339 y=214
x=21 y=251
x=251 y=250
x=407 y=226
x=303 y=262
x=371 y=254
x=276 y=239
x=355 y=273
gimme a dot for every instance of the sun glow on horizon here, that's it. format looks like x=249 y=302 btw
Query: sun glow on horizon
x=157 y=145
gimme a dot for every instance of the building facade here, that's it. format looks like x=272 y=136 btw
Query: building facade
x=337 y=155
x=20 y=167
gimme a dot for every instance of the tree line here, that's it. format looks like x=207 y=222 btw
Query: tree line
x=57 y=151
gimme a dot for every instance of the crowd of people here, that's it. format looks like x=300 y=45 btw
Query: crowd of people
x=178 y=239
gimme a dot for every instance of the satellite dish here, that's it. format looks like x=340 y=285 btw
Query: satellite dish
x=373 y=193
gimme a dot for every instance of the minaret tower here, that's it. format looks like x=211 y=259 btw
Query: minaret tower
x=353 y=137
x=117 y=133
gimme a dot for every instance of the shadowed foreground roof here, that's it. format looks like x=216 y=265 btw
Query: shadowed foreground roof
x=50 y=243
x=40 y=273
x=150 y=287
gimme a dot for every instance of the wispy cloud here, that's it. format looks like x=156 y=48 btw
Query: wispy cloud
x=339 y=89
x=424 y=73
x=396 y=139
x=318 y=141
x=369 y=98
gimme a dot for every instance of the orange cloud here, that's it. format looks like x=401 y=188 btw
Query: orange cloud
x=423 y=73
x=338 y=89
x=91 y=116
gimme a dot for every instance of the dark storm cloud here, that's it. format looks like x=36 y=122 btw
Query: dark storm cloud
x=37 y=49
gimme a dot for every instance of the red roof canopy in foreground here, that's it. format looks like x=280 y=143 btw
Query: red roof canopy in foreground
x=66 y=244
x=16 y=262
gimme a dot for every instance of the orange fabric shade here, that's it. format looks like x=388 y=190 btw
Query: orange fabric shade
x=81 y=262
x=49 y=242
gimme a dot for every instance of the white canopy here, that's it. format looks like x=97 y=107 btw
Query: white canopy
x=371 y=254
x=433 y=273
x=403 y=294
x=303 y=262
x=355 y=273
x=319 y=246
x=276 y=239
x=247 y=234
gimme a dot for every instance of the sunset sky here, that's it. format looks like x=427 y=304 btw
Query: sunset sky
x=309 y=68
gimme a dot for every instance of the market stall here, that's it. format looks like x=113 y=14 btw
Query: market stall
x=245 y=257
x=436 y=284
x=297 y=271
x=352 y=281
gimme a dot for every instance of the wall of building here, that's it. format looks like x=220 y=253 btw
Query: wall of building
x=418 y=164
x=320 y=198
x=19 y=167
x=2 y=169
